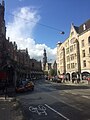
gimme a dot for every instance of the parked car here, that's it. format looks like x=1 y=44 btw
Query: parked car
x=57 y=79
x=24 y=85
x=88 y=77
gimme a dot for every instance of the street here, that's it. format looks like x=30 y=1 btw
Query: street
x=56 y=101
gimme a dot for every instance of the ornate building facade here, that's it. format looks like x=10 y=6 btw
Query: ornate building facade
x=15 y=64
x=73 y=55
x=47 y=66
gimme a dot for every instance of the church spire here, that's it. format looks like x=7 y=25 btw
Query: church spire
x=2 y=21
x=44 y=57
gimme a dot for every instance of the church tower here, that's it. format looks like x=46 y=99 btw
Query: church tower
x=2 y=21
x=44 y=59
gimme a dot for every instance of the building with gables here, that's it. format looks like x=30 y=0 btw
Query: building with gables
x=15 y=64
x=73 y=55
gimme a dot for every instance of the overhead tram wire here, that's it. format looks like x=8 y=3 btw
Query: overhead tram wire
x=47 y=26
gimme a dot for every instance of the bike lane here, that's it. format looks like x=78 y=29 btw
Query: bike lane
x=42 y=112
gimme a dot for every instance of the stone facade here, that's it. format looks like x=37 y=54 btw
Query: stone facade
x=73 y=55
x=47 y=66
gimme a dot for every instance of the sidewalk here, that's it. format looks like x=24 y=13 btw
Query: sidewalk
x=10 y=107
x=83 y=82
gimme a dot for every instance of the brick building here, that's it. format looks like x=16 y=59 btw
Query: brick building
x=15 y=64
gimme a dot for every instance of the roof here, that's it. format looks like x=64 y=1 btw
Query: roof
x=83 y=27
x=76 y=28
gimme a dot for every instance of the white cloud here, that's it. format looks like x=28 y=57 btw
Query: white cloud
x=21 y=31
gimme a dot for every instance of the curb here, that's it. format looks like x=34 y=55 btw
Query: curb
x=70 y=83
x=10 y=99
x=15 y=106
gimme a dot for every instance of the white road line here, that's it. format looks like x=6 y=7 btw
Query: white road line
x=86 y=97
x=71 y=105
x=57 y=112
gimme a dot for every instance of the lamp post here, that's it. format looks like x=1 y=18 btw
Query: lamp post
x=62 y=32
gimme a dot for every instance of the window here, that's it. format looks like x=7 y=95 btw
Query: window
x=72 y=40
x=84 y=27
x=89 y=51
x=68 y=58
x=68 y=66
x=67 y=50
x=75 y=65
x=83 y=53
x=74 y=46
x=61 y=61
x=71 y=48
x=84 y=63
x=72 y=57
x=72 y=65
x=61 y=54
x=32 y=64
x=89 y=40
x=75 y=55
x=82 y=43
x=72 y=33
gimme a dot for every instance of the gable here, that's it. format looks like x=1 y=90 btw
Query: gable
x=73 y=31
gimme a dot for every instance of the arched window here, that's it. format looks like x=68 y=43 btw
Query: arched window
x=89 y=40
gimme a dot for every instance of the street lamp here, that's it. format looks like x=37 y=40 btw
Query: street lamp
x=62 y=32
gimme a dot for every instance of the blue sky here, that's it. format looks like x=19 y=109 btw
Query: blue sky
x=28 y=18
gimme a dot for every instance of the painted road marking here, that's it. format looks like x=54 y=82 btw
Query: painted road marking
x=65 y=102
x=86 y=97
x=57 y=112
x=39 y=110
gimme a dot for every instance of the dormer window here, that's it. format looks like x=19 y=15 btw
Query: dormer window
x=84 y=27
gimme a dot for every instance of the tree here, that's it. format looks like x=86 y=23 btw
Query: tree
x=52 y=72
x=45 y=72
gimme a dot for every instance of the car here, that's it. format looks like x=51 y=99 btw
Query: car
x=88 y=77
x=24 y=85
x=57 y=79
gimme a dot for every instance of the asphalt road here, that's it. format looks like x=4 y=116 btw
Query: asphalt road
x=55 y=101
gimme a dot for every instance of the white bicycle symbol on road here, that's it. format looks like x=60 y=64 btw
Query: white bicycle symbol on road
x=39 y=110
